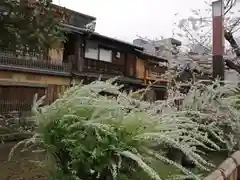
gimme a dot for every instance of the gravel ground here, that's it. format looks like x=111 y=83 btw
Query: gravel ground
x=20 y=168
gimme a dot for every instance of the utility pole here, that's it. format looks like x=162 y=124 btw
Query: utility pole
x=218 y=39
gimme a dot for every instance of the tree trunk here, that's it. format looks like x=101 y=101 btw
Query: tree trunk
x=229 y=37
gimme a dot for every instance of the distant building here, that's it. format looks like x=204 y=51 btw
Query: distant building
x=165 y=48
x=197 y=57
x=198 y=49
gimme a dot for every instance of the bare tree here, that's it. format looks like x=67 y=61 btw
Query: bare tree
x=197 y=31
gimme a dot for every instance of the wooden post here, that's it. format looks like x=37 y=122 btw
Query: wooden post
x=218 y=39
x=80 y=49
x=145 y=72
x=126 y=71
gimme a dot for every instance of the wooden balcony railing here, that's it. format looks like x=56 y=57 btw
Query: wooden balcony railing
x=103 y=67
x=9 y=60
x=154 y=75
x=228 y=170
x=154 y=72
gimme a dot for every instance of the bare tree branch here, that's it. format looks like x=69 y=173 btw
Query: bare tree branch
x=207 y=49
x=229 y=5
x=232 y=65
x=229 y=37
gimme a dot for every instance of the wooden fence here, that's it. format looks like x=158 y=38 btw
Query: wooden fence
x=228 y=170
x=7 y=106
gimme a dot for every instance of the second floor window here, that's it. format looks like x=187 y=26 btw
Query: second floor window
x=105 y=55
x=93 y=51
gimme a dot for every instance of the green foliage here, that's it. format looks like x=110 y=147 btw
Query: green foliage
x=29 y=27
x=236 y=98
x=90 y=136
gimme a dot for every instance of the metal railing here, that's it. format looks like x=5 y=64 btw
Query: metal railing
x=228 y=170
x=97 y=66
x=9 y=60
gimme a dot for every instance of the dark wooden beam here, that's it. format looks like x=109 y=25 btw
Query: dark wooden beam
x=80 y=51
x=32 y=85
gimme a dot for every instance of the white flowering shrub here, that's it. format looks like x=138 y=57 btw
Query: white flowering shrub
x=91 y=136
x=217 y=106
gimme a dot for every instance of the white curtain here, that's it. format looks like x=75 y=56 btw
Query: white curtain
x=105 y=55
x=91 y=50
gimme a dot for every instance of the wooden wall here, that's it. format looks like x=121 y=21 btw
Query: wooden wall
x=130 y=65
x=18 y=98
x=17 y=89
x=17 y=77
x=53 y=91
x=140 y=68
x=20 y=93
x=118 y=61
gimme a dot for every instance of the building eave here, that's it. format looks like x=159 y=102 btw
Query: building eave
x=91 y=18
x=157 y=58
x=95 y=34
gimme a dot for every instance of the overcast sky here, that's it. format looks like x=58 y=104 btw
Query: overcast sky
x=124 y=19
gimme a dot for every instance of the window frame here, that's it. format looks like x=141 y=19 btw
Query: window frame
x=99 y=47
x=106 y=49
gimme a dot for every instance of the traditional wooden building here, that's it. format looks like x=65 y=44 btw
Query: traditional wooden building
x=97 y=55
x=151 y=69
x=21 y=77
x=85 y=56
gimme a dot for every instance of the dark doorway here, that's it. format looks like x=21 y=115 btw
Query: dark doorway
x=69 y=48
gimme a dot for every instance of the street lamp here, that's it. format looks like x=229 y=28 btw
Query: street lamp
x=218 y=39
